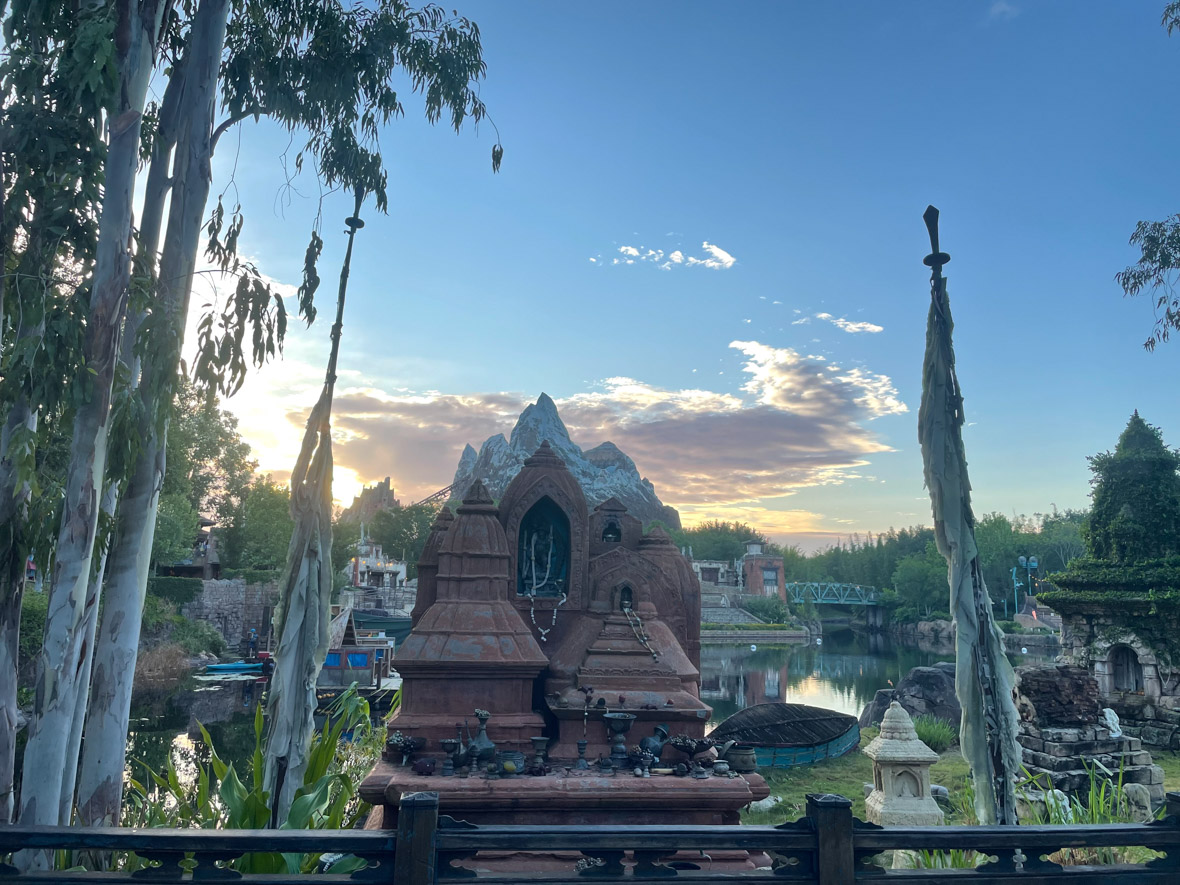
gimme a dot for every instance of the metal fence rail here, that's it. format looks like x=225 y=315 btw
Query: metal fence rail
x=828 y=593
x=827 y=846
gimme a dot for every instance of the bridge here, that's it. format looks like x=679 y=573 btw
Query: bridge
x=440 y=495
x=826 y=593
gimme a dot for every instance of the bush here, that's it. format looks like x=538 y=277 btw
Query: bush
x=937 y=734
x=176 y=590
x=252 y=575
x=1010 y=626
x=769 y=608
x=196 y=637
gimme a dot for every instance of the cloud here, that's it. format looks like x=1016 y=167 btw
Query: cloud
x=713 y=257
x=797 y=422
x=1001 y=10
x=849 y=325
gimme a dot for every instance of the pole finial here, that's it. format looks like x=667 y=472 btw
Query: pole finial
x=935 y=259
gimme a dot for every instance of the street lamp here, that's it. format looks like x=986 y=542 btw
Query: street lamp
x=1029 y=565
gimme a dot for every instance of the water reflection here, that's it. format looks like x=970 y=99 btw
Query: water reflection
x=842 y=674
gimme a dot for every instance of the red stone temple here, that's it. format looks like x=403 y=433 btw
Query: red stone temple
x=524 y=607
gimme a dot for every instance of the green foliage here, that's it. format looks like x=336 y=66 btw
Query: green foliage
x=345 y=535
x=176 y=590
x=260 y=531
x=252 y=575
x=34 y=608
x=402 y=532
x=938 y=734
x=162 y=624
x=176 y=530
x=218 y=797
x=769 y=608
x=196 y=637
x=718 y=540
x=1088 y=575
x=921 y=584
x=1136 y=510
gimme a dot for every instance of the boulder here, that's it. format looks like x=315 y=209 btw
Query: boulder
x=1054 y=695
x=925 y=690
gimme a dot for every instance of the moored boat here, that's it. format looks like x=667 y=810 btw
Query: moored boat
x=235 y=667
x=786 y=735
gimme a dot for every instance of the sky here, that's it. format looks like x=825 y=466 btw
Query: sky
x=706 y=243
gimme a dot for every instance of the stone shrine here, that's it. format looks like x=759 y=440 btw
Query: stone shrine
x=550 y=617
x=901 y=795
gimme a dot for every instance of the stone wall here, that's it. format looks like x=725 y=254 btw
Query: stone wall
x=233 y=607
x=1135 y=676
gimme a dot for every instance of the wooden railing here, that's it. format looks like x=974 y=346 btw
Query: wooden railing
x=827 y=846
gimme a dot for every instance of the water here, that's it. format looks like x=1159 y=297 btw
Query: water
x=841 y=674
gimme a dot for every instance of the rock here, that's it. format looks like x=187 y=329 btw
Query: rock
x=1056 y=695
x=603 y=472
x=1139 y=800
x=925 y=690
x=767 y=804
x=940 y=793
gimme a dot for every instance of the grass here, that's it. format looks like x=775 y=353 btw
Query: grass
x=938 y=734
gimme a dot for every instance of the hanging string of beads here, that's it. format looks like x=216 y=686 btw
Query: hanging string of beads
x=544 y=631
x=640 y=631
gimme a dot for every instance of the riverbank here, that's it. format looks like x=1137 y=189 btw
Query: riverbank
x=763 y=633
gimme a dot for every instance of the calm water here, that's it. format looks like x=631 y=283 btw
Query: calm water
x=841 y=674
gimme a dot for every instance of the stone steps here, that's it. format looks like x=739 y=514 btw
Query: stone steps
x=728 y=615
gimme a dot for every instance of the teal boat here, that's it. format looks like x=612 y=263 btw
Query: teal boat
x=788 y=735
x=235 y=667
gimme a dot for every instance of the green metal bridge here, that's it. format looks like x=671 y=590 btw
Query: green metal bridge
x=825 y=593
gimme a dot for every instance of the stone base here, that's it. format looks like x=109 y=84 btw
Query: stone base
x=576 y=798
x=903 y=812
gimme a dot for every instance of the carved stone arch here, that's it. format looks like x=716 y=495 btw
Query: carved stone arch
x=544 y=475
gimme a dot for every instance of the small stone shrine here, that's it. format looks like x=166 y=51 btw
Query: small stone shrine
x=901 y=794
x=554 y=622
x=1063 y=731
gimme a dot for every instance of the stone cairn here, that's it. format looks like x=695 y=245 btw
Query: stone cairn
x=1062 y=733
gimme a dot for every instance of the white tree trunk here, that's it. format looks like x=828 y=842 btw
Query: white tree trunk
x=13 y=497
x=101 y=778
x=60 y=663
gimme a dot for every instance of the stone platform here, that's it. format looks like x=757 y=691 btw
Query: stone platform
x=573 y=797
x=1063 y=753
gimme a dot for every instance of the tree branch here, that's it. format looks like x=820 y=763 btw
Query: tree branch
x=234 y=120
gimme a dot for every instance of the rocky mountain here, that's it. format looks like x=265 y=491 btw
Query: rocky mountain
x=603 y=471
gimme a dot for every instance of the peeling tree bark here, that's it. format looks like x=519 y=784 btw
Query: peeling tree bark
x=60 y=663
x=101 y=778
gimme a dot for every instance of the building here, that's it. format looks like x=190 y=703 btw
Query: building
x=762 y=573
x=370 y=568
x=371 y=501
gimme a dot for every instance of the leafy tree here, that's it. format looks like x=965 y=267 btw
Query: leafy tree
x=1060 y=537
x=1157 y=269
x=260 y=531
x=921 y=584
x=1136 y=494
x=402 y=532
x=720 y=540
x=176 y=529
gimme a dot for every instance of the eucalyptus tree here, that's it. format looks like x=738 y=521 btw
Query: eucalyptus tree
x=325 y=70
x=58 y=77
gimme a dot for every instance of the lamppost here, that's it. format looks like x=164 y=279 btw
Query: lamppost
x=1029 y=565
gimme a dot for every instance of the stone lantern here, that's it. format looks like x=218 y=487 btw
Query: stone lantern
x=901 y=774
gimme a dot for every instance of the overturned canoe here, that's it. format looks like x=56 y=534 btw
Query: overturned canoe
x=786 y=735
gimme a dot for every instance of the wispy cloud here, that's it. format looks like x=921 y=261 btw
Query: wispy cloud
x=1002 y=10
x=849 y=325
x=712 y=256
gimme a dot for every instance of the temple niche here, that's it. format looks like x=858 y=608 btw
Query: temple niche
x=614 y=610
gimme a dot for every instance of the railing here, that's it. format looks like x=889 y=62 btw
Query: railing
x=827 y=593
x=827 y=846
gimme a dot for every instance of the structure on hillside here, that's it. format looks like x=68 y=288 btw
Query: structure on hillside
x=371 y=501
x=370 y=567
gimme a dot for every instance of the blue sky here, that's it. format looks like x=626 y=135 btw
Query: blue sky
x=785 y=152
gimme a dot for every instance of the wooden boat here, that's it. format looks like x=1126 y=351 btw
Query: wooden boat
x=786 y=735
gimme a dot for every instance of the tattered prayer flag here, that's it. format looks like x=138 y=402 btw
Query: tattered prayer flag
x=983 y=676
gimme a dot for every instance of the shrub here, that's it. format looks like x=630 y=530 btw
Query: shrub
x=252 y=575
x=196 y=637
x=937 y=734
x=1010 y=626
x=176 y=590
x=769 y=608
